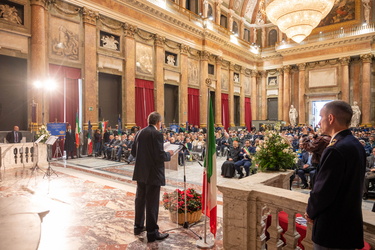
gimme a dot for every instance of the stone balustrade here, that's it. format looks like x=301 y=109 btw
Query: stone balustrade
x=14 y=155
x=257 y=208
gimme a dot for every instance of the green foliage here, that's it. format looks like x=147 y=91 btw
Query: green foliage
x=175 y=201
x=274 y=153
x=42 y=131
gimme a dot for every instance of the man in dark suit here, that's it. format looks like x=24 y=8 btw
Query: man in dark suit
x=305 y=166
x=335 y=203
x=150 y=156
x=70 y=142
x=14 y=136
x=370 y=173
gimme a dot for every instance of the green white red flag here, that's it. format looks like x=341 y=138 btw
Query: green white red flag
x=209 y=196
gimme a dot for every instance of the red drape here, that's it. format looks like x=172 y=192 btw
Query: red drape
x=56 y=97
x=193 y=106
x=248 y=118
x=225 y=110
x=144 y=101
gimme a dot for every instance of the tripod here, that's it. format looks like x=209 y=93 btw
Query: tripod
x=35 y=152
x=186 y=223
x=51 y=140
x=57 y=150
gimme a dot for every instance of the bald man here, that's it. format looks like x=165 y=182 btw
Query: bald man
x=14 y=136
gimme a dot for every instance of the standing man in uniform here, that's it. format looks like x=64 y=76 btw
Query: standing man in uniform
x=148 y=148
x=335 y=203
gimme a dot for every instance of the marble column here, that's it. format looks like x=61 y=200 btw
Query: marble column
x=264 y=95
x=129 y=77
x=183 y=117
x=301 y=92
x=286 y=93
x=242 y=98
x=204 y=89
x=345 y=88
x=280 y=99
x=241 y=28
x=231 y=96
x=218 y=11
x=38 y=56
x=218 y=107
x=264 y=37
x=366 y=88
x=90 y=83
x=254 y=97
x=159 y=74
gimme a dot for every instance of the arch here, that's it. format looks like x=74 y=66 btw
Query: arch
x=210 y=12
x=272 y=37
x=235 y=27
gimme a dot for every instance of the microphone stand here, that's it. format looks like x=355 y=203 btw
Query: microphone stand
x=186 y=223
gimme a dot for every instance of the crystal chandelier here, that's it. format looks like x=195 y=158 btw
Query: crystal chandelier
x=297 y=18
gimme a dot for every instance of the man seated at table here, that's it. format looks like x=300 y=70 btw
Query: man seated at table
x=245 y=159
x=305 y=166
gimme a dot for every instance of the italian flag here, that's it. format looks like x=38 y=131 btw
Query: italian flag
x=209 y=197
x=78 y=130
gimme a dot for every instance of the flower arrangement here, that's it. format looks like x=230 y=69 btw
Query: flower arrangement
x=175 y=201
x=42 y=131
x=274 y=153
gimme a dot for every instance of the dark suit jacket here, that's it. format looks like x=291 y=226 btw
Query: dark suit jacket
x=370 y=162
x=70 y=141
x=10 y=136
x=335 y=203
x=148 y=149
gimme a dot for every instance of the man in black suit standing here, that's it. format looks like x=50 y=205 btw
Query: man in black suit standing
x=14 y=136
x=150 y=156
x=335 y=203
x=70 y=142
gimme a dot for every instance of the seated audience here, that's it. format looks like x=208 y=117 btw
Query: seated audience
x=245 y=159
x=227 y=169
x=305 y=166
x=370 y=173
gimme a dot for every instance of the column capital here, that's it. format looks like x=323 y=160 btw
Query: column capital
x=301 y=66
x=254 y=73
x=232 y=67
x=89 y=16
x=205 y=55
x=344 y=61
x=42 y=3
x=287 y=68
x=129 y=30
x=219 y=60
x=280 y=71
x=159 y=40
x=263 y=73
x=366 y=58
x=184 y=49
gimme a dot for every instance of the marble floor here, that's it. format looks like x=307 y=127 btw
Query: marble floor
x=91 y=203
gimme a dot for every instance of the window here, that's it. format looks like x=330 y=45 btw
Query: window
x=211 y=69
x=210 y=11
x=246 y=35
x=223 y=21
x=235 y=27
x=272 y=37
x=192 y=5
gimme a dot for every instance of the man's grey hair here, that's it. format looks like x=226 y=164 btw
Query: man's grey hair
x=154 y=118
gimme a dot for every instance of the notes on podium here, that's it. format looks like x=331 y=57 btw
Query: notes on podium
x=173 y=163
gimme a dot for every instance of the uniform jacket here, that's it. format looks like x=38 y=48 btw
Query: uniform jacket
x=148 y=149
x=335 y=203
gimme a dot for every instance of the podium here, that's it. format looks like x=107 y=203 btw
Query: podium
x=173 y=163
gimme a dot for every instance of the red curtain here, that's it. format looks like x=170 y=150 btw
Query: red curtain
x=144 y=101
x=225 y=110
x=248 y=118
x=193 y=106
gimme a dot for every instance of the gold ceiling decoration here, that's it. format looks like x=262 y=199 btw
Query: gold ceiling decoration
x=297 y=18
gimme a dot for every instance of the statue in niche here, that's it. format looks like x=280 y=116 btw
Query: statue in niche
x=109 y=42
x=224 y=80
x=9 y=14
x=366 y=10
x=171 y=60
x=293 y=115
x=236 y=78
x=66 y=44
x=356 y=115
x=193 y=73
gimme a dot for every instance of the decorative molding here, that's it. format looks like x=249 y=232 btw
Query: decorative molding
x=184 y=49
x=112 y=27
x=287 y=69
x=254 y=73
x=301 y=66
x=344 y=60
x=130 y=30
x=65 y=11
x=205 y=55
x=159 y=40
x=42 y=3
x=366 y=58
x=89 y=16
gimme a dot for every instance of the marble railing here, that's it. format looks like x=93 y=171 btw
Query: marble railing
x=257 y=210
x=27 y=154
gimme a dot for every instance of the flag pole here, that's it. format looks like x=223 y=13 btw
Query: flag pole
x=203 y=244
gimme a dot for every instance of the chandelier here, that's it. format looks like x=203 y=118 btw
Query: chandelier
x=297 y=18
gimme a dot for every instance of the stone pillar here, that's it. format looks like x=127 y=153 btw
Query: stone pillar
x=203 y=88
x=159 y=74
x=90 y=83
x=254 y=97
x=263 y=95
x=218 y=107
x=345 y=88
x=264 y=36
x=129 y=75
x=38 y=55
x=242 y=98
x=280 y=99
x=205 y=8
x=241 y=28
x=231 y=96
x=230 y=20
x=301 y=93
x=183 y=117
x=255 y=35
x=366 y=88
x=286 y=94
x=218 y=11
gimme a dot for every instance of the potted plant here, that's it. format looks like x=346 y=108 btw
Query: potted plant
x=174 y=202
x=274 y=153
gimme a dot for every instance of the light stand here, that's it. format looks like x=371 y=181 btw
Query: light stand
x=186 y=223
x=36 y=152
x=51 y=140
x=57 y=150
